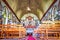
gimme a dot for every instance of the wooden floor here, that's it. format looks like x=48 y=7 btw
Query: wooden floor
x=36 y=38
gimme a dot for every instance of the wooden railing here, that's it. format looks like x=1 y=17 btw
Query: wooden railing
x=6 y=31
x=48 y=31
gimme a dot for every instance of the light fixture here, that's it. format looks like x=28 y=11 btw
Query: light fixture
x=28 y=8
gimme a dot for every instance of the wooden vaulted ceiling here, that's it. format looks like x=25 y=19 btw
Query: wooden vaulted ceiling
x=38 y=7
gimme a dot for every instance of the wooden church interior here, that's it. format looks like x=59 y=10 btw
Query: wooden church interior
x=18 y=16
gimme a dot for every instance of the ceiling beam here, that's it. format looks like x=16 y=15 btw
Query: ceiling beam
x=48 y=9
x=10 y=8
